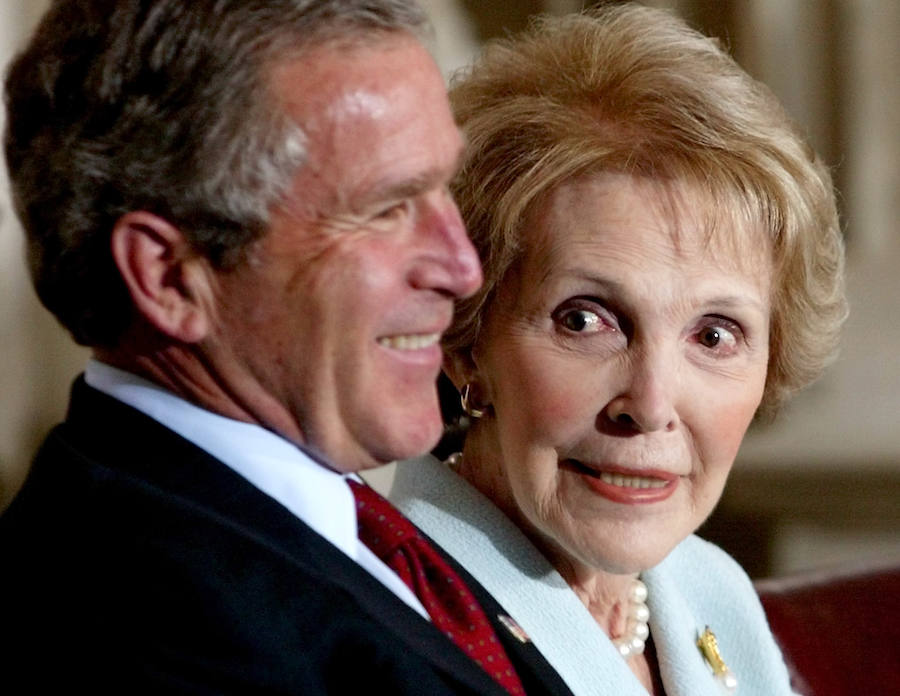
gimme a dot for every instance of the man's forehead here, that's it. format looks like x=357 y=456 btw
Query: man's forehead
x=320 y=76
x=376 y=118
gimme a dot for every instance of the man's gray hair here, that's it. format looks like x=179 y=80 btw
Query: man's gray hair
x=163 y=106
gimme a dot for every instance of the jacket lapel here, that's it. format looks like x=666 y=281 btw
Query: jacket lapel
x=155 y=454
x=536 y=674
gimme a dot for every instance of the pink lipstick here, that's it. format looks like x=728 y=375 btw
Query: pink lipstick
x=629 y=487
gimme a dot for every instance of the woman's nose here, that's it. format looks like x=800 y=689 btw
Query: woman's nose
x=646 y=402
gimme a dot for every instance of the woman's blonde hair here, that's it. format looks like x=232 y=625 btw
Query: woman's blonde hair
x=627 y=88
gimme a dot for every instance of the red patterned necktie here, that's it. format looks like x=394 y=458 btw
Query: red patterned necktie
x=452 y=608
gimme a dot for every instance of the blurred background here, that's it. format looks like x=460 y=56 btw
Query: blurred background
x=819 y=487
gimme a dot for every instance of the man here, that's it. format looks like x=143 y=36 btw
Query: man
x=242 y=208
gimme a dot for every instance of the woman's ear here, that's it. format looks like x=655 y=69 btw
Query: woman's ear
x=170 y=284
x=474 y=392
x=460 y=368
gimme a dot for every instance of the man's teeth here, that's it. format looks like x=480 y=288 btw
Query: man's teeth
x=410 y=342
x=631 y=481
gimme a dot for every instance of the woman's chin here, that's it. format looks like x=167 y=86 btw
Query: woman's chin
x=629 y=566
x=622 y=561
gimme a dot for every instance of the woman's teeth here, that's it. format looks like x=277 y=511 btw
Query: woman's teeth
x=409 y=342
x=631 y=481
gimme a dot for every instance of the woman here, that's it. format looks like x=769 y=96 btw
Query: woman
x=662 y=262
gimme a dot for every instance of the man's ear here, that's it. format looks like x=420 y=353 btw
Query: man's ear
x=169 y=282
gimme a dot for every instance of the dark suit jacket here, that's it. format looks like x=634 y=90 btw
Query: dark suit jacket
x=132 y=561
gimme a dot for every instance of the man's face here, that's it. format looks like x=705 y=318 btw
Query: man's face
x=331 y=331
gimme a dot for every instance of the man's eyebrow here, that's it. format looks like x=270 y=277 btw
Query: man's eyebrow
x=414 y=185
x=406 y=188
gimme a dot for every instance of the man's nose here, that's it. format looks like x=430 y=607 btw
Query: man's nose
x=449 y=263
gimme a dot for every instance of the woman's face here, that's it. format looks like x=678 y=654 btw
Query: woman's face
x=623 y=359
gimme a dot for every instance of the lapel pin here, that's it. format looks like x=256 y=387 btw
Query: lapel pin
x=709 y=646
x=514 y=628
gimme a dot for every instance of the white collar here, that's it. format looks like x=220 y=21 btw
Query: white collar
x=307 y=488
x=317 y=495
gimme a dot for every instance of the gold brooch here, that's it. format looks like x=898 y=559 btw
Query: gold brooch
x=709 y=646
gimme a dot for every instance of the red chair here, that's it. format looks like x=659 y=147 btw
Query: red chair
x=839 y=631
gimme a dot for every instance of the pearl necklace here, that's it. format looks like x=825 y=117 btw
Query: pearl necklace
x=637 y=629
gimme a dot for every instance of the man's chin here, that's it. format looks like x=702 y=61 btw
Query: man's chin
x=418 y=437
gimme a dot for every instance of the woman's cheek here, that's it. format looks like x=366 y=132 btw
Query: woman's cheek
x=554 y=399
x=725 y=430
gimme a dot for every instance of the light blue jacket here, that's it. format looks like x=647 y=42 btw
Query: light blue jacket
x=697 y=585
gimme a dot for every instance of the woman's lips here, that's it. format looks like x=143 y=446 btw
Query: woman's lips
x=628 y=487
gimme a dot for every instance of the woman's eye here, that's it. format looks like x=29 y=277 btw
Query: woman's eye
x=719 y=337
x=581 y=320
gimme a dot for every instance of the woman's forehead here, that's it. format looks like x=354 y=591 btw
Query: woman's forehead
x=682 y=214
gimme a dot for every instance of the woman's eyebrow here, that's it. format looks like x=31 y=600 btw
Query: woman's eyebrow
x=616 y=288
x=737 y=301
x=608 y=284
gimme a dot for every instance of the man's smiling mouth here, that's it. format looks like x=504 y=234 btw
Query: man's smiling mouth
x=409 y=341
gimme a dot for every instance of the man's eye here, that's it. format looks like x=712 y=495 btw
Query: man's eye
x=392 y=211
x=581 y=320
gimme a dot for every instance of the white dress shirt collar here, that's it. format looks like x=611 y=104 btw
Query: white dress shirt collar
x=316 y=494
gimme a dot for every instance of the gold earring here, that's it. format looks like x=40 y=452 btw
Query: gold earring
x=470 y=410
